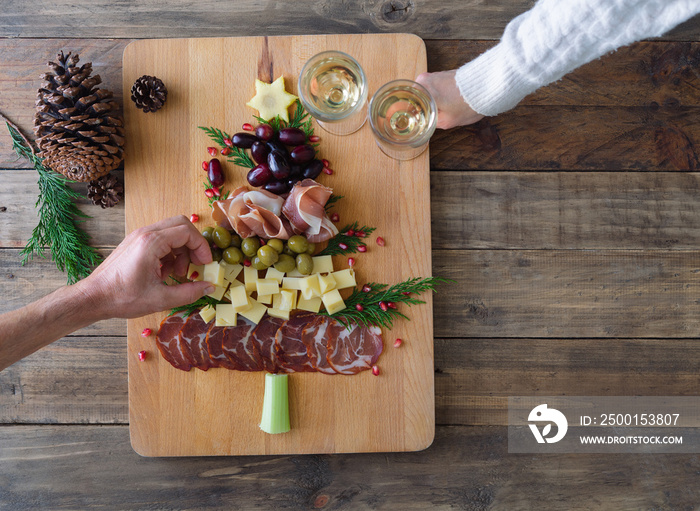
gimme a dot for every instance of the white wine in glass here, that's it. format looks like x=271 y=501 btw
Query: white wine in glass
x=333 y=89
x=403 y=116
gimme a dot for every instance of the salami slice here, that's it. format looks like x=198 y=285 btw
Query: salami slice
x=215 y=344
x=264 y=337
x=314 y=338
x=193 y=339
x=354 y=348
x=168 y=343
x=240 y=348
x=291 y=351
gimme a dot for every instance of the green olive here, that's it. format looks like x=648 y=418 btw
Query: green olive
x=305 y=264
x=233 y=255
x=235 y=241
x=256 y=263
x=298 y=244
x=221 y=238
x=288 y=251
x=278 y=245
x=250 y=246
x=285 y=263
x=207 y=232
x=216 y=254
x=268 y=255
x=311 y=249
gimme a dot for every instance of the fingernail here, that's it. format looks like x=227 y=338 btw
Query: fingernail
x=209 y=290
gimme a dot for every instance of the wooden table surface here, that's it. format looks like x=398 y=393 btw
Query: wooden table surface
x=571 y=225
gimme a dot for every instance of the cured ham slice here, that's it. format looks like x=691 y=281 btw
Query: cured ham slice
x=328 y=230
x=314 y=338
x=168 y=343
x=354 y=348
x=305 y=209
x=239 y=347
x=193 y=341
x=291 y=351
x=215 y=344
x=264 y=337
x=252 y=213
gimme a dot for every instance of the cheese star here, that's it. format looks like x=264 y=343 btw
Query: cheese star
x=271 y=99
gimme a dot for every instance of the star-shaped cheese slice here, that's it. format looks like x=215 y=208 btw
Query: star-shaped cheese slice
x=271 y=100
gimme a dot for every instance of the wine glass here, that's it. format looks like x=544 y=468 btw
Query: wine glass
x=403 y=116
x=333 y=89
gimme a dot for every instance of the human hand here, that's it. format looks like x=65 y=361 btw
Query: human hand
x=130 y=282
x=452 y=109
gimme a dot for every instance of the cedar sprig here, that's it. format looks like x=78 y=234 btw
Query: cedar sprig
x=372 y=313
x=299 y=119
x=331 y=201
x=58 y=219
x=351 y=242
x=238 y=156
x=193 y=307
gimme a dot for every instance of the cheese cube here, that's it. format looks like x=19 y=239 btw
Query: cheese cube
x=199 y=268
x=256 y=311
x=311 y=305
x=250 y=277
x=267 y=286
x=344 y=278
x=214 y=273
x=291 y=283
x=231 y=271
x=235 y=283
x=288 y=300
x=333 y=301
x=276 y=301
x=218 y=292
x=326 y=283
x=310 y=286
x=240 y=299
x=266 y=299
x=275 y=274
x=295 y=273
x=323 y=264
x=276 y=313
x=226 y=315
x=208 y=313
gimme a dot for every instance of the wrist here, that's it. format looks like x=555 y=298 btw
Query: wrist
x=89 y=297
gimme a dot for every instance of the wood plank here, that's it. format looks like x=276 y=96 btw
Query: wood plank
x=65 y=467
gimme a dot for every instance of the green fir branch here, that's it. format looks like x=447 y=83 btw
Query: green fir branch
x=193 y=307
x=351 y=242
x=331 y=201
x=238 y=156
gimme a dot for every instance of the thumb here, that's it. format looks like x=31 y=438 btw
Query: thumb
x=188 y=292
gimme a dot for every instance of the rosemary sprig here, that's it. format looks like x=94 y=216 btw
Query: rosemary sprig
x=58 y=219
x=372 y=312
x=193 y=307
x=331 y=201
x=351 y=243
x=238 y=156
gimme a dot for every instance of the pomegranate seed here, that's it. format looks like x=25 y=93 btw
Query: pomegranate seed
x=217 y=191
x=142 y=355
x=366 y=288
x=246 y=262
x=228 y=142
x=350 y=232
x=314 y=138
x=391 y=305
x=398 y=343
x=380 y=241
x=212 y=150
x=351 y=262
x=247 y=126
x=327 y=171
x=194 y=218
x=205 y=165
x=406 y=293
x=359 y=307
x=325 y=162
x=194 y=275
x=209 y=192
x=383 y=306
x=262 y=241
x=360 y=234
x=375 y=370
x=335 y=217
x=226 y=151
x=146 y=332
x=362 y=248
x=343 y=246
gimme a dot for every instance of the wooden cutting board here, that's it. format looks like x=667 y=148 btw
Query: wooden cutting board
x=174 y=413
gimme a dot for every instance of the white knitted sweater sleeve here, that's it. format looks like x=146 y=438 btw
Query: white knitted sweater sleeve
x=555 y=37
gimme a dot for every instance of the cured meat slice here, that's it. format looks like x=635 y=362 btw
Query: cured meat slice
x=239 y=347
x=264 y=337
x=354 y=348
x=193 y=341
x=315 y=340
x=328 y=230
x=291 y=351
x=215 y=344
x=305 y=209
x=251 y=213
x=168 y=343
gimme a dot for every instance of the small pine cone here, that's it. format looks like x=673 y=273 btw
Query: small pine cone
x=149 y=93
x=106 y=191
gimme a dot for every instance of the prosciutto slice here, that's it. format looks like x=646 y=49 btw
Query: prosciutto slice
x=264 y=337
x=354 y=348
x=305 y=209
x=193 y=341
x=291 y=351
x=253 y=213
x=240 y=348
x=168 y=343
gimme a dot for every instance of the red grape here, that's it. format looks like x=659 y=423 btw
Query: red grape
x=259 y=152
x=278 y=164
x=292 y=136
x=277 y=187
x=313 y=169
x=264 y=132
x=214 y=173
x=243 y=140
x=259 y=176
x=302 y=154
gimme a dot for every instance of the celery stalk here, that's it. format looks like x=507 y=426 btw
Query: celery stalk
x=275 y=414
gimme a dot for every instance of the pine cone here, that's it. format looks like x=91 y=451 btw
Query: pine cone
x=79 y=132
x=106 y=191
x=149 y=93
